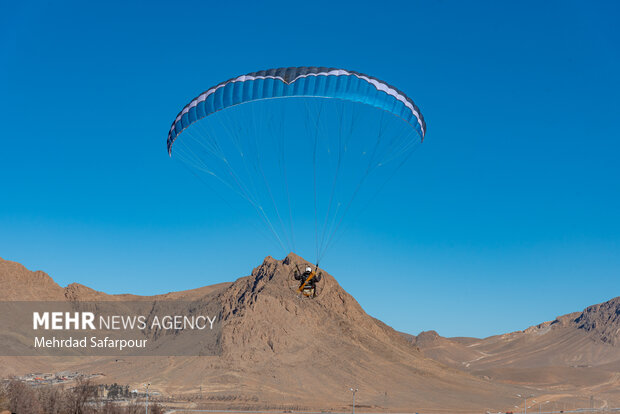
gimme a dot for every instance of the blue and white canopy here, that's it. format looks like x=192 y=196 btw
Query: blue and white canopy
x=304 y=81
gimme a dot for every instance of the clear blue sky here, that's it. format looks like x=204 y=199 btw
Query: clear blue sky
x=509 y=214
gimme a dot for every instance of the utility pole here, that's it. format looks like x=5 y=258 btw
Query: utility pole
x=525 y=397
x=147 y=397
x=540 y=405
x=354 y=391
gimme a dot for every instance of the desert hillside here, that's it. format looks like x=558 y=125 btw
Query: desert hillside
x=578 y=353
x=280 y=350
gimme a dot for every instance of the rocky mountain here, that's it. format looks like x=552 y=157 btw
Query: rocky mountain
x=283 y=351
x=578 y=353
x=18 y=283
x=579 y=339
x=602 y=322
x=278 y=350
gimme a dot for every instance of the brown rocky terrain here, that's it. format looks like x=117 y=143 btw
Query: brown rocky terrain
x=577 y=354
x=282 y=351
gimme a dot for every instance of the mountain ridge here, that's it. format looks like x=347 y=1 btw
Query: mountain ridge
x=276 y=346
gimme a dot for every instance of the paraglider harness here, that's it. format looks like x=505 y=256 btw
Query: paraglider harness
x=308 y=281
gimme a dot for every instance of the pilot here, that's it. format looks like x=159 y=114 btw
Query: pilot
x=307 y=281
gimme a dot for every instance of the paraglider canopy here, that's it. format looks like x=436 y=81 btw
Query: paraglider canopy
x=298 y=81
x=298 y=143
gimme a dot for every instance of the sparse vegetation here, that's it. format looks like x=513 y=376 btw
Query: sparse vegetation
x=19 y=397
